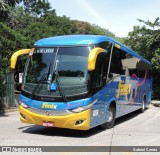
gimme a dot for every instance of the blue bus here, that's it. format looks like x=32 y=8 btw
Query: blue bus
x=82 y=81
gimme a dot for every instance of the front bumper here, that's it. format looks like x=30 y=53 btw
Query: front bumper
x=67 y=121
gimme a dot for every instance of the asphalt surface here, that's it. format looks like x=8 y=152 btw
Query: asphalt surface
x=135 y=129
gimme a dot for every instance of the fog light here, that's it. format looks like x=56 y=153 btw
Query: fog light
x=23 y=116
x=79 y=122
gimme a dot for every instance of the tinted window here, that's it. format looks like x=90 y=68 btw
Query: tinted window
x=105 y=45
x=71 y=64
x=39 y=64
x=123 y=63
x=100 y=73
x=116 y=62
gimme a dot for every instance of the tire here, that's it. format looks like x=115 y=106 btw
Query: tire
x=111 y=118
x=143 y=108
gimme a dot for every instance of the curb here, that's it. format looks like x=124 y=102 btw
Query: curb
x=156 y=103
x=3 y=111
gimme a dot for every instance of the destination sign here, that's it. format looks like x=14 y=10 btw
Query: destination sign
x=45 y=50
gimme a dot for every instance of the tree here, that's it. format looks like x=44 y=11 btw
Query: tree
x=154 y=24
x=10 y=41
x=4 y=10
x=36 y=7
x=12 y=3
x=18 y=18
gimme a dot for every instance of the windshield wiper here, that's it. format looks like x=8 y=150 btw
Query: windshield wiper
x=60 y=87
x=42 y=79
x=58 y=82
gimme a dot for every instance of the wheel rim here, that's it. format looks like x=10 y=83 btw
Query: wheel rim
x=110 y=116
x=143 y=106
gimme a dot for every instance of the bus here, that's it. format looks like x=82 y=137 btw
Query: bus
x=82 y=81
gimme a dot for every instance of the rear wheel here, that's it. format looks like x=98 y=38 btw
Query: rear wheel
x=143 y=106
x=111 y=118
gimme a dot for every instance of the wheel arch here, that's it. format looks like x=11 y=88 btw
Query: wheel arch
x=112 y=102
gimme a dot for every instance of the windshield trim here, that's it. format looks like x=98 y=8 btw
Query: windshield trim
x=35 y=95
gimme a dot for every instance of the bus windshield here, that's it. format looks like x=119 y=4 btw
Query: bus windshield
x=71 y=64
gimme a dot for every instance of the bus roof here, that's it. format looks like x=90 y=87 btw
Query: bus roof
x=74 y=40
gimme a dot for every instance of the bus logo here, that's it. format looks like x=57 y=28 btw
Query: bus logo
x=49 y=106
x=47 y=113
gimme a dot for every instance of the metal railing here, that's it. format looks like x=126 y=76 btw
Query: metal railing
x=7 y=95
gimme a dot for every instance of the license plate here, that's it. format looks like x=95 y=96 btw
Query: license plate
x=48 y=124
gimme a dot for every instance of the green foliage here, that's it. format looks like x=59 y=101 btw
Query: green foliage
x=154 y=24
x=10 y=41
x=18 y=18
x=12 y=3
x=37 y=7
x=5 y=6
x=4 y=10
x=4 y=67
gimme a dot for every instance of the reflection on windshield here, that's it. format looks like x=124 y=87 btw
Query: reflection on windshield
x=39 y=64
x=72 y=69
x=71 y=63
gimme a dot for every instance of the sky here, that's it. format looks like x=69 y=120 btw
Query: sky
x=118 y=16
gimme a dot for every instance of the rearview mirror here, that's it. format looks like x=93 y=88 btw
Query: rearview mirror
x=15 y=55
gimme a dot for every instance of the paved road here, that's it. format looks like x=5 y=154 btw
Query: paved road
x=134 y=129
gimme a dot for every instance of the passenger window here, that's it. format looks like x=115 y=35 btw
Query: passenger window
x=141 y=74
x=149 y=74
x=126 y=64
x=105 y=45
x=116 y=67
x=133 y=72
x=101 y=68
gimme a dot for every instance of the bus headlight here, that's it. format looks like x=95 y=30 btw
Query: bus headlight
x=23 y=105
x=80 y=109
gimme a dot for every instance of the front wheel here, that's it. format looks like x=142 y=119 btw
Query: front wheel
x=111 y=118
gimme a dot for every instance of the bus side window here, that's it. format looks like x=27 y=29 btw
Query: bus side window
x=133 y=72
x=141 y=74
x=105 y=45
x=100 y=73
x=116 y=67
x=149 y=74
